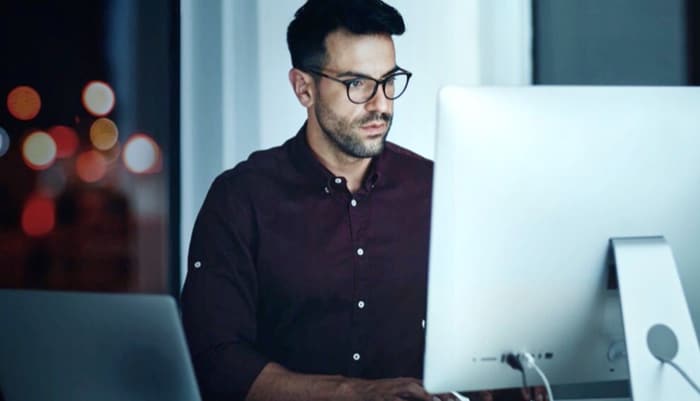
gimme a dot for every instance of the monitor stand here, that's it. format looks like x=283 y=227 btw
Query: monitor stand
x=655 y=315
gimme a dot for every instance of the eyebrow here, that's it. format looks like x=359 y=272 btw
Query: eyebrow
x=351 y=73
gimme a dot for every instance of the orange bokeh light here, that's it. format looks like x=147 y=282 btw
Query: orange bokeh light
x=24 y=103
x=38 y=216
x=104 y=134
x=66 y=140
x=39 y=150
x=98 y=98
x=91 y=166
x=142 y=154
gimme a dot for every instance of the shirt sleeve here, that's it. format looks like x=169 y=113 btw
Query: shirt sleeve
x=219 y=299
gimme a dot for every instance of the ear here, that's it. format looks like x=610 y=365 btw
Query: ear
x=302 y=84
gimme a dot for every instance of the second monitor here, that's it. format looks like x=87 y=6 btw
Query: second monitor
x=531 y=184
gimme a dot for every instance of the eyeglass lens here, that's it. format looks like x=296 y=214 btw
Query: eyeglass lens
x=361 y=89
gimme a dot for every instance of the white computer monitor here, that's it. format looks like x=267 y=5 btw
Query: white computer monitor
x=530 y=186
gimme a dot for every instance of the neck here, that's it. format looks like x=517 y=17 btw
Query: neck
x=335 y=160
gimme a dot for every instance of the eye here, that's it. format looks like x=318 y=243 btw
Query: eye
x=357 y=82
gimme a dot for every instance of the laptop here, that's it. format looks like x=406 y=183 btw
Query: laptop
x=87 y=346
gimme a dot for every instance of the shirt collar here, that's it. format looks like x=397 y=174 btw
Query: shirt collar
x=309 y=165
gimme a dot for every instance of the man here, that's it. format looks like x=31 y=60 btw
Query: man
x=308 y=262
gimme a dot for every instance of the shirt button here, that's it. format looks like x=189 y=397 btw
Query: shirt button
x=360 y=251
x=197 y=264
x=361 y=304
x=356 y=356
x=353 y=203
x=325 y=189
x=338 y=180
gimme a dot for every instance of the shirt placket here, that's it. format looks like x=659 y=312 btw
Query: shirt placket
x=358 y=216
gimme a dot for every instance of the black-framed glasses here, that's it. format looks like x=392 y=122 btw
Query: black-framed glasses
x=361 y=88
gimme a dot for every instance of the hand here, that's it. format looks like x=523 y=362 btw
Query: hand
x=399 y=389
x=538 y=393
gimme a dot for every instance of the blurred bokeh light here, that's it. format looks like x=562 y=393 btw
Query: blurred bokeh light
x=66 y=140
x=38 y=216
x=4 y=142
x=23 y=102
x=91 y=166
x=141 y=154
x=103 y=134
x=98 y=98
x=39 y=150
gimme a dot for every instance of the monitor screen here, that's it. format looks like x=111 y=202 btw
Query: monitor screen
x=530 y=186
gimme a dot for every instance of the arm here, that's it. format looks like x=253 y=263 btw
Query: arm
x=220 y=296
x=277 y=383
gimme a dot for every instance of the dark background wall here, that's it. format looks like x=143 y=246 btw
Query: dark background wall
x=612 y=42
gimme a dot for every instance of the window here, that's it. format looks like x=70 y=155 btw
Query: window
x=89 y=138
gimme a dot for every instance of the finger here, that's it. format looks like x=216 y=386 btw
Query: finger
x=412 y=389
x=445 y=397
x=412 y=380
x=525 y=393
x=540 y=394
x=413 y=396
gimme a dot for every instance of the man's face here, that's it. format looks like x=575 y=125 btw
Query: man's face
x=358 y=130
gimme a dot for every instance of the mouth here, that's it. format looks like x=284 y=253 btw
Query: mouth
x=374 y=129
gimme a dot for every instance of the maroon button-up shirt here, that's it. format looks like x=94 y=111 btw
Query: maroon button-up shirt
x=286 y=265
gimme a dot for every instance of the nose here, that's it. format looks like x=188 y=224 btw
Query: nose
x=379 y=102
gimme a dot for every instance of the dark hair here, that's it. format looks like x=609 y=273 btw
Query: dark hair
x=307 y=32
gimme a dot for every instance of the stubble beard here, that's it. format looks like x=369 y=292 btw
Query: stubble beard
x=343 y=133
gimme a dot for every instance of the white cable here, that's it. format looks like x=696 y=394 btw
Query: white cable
x=682 y=372
x=533 y=365
x=459 y=396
